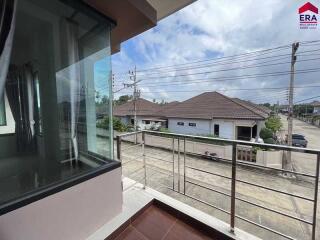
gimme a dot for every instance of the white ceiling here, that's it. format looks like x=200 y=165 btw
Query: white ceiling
x=166 y=7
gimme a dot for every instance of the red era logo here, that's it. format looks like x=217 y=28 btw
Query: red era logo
x=308 y=7
x=308 y=20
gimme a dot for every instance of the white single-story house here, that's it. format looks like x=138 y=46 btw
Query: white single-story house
x=316 y=107
x=210 y=113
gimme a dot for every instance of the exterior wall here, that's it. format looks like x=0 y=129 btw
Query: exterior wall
x=10 y=127
x=73 y=214
x=142 y=126
x=260 y=125
x=203 y=127
x=125 y=120
x=316 y=110
x=226 y=128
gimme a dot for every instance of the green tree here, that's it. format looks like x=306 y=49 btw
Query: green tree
x=123 y=99
x=274 y=124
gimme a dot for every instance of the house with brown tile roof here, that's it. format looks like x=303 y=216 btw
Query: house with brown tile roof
x=210 y=113
x=316 y=107
x=148 y=114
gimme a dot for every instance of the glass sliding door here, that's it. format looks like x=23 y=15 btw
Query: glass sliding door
x=57 y=87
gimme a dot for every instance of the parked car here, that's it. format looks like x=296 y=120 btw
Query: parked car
x=299 y=140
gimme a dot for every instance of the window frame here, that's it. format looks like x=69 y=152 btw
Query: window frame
x=192 y=124
x=180 y=123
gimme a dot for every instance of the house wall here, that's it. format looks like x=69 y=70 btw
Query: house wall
x=203 y=127
x=74 y=213
x=316 y=109
x=226 y=127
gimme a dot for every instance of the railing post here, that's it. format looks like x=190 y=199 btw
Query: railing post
x=119 y=148
x=315 y=204
x=178 y=164
x=184 y=166
x=144 y=160
x=173 y=173
x=233 y=187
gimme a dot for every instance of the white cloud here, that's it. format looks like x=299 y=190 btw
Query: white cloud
x=221 y=28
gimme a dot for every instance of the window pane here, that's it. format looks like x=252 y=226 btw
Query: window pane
x=59 y=77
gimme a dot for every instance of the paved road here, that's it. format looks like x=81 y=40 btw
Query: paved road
x=311 y=132
x=304 y=162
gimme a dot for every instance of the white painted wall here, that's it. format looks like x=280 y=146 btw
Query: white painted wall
x=316 y=110
x=227 y=129
x=203 y=127
x=72 y=214
x=10 y=127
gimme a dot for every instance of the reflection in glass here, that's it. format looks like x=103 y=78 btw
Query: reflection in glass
x=57 y=87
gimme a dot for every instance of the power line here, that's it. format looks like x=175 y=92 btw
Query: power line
x=306 y=99
x=273 y=58
x=217 y=59
x=239 y=89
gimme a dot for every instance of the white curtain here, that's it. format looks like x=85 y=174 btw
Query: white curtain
x=7 y=47
x=73 y=72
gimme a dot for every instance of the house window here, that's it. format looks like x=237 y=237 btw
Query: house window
x=180 y=123
x=3 y=120
x=216 y=130
x=132 y=121
x=147 y=122
x=192 y=124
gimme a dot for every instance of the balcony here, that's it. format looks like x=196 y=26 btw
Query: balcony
x=241 y=199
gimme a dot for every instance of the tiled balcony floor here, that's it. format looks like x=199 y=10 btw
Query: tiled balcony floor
x=158 y=221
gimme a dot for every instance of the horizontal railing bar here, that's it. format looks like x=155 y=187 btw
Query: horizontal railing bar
x=160 y=159
x=274 y=211
x=280 y=147
x=214 y=190
x=135 y=172
x=136 y=145
x=276 y=169
x=215 y=174
x=156 y=170
x=254 y=204
x=133 y=160
x=206 y=203
x=264 y=227
x=129 y=134
x=275 y=190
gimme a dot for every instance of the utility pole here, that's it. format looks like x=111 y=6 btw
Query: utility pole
x=295 y=47
x=136 y=95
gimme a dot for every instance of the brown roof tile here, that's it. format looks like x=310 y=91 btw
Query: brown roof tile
x=204 y=106
x=214 y=105
x=144 y=108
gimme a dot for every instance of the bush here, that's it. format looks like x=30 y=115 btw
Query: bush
x=266 y=133
x=117 y=124
x=270 y=141
x=164 y=130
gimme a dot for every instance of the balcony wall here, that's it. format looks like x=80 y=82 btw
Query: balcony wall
x=74 y=213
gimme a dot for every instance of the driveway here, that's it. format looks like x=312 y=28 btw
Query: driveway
x=303 y=162
x=312 y=133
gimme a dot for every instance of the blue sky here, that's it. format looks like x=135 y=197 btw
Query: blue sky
x=211 y=29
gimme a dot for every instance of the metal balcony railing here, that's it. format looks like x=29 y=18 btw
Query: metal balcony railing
x=180 y=179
